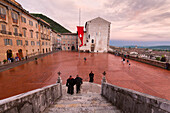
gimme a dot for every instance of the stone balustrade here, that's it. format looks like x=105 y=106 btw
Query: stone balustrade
x=32 y=102
x=130 y=101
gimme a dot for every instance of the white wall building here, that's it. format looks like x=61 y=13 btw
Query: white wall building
x=97 y=36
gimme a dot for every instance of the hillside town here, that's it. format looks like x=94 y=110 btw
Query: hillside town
x=145 y=53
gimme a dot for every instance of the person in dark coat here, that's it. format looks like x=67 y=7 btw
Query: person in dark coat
x=91 y=76
x=70 y=84
x=78 y=81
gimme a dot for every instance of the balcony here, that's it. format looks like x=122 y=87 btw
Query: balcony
x=15 y=21
x=3 y=17
x=3 y=31
x=16 y=34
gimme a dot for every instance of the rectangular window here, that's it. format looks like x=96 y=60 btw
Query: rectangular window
x=32 y=43
x=36 y=25
x=23 y=19
x=42 y=35
x=2 y=13
x=15 y=31
x=3 y=29
x=46 y=43
x=24 y=32
x=31 y=34
x=30 y=23
x=26 y=42
x=8 y=42
x=42 y=43
x=38 y=43
x=19 y=42
x=14 y=17
x=68 y=42
x=37 y=35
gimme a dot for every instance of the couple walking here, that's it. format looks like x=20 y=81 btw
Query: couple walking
x=71 y=82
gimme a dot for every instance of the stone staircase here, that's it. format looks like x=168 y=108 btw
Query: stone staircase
x=88 y=101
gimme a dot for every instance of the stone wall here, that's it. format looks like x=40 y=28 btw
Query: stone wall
x=32 y=102
x=130 y=101
x=147 y=61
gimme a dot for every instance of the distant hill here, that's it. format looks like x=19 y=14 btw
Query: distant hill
x=151 y=47
x=54 y=25
x=160 y=47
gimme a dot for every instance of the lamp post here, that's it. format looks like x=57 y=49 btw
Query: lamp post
x=104 y=77
x=59 y=78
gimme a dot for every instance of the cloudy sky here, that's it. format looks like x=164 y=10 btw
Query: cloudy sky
x=141 y=20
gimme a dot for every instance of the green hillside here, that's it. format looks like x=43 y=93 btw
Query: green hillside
x=54 y=25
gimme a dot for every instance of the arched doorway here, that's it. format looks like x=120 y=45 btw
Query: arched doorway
x=92 y=41
x=46 y=50
x=9 y=54
x=73 y=48
x=92 y=47
x=49 y=50
x=20 y=54
x=43 y=50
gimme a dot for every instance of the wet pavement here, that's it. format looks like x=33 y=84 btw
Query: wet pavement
x=139 y=76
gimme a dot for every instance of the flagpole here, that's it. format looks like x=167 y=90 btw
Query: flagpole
x=79 y=25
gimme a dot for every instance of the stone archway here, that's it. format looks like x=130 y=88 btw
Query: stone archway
x=73 y=48
x=20 y=54
x=46 y=50
x=43 y=50
x=9 y=53
x=92 y=47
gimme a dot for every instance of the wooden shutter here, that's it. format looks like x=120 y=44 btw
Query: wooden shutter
x=5 y=42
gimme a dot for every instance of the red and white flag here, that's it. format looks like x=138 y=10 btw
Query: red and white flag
x=80 y=30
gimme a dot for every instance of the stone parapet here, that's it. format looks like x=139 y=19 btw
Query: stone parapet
x=130 y=101
x=147 y=61
x=34 y=101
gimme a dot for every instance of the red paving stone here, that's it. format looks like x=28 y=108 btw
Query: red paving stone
x=140 y=77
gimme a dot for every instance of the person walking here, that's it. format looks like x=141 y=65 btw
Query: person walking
x=91 y=76
x=85 y=59
x=70 y=84
x=78 y=81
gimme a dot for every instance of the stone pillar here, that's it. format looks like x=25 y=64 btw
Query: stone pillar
x=59 y=81
x=103 y=81
x=104 y=77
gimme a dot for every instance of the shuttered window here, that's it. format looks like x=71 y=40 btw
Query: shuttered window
x=37 y=35
x=24 y=32
x=2 y=13
x=19 y=42
x=23 y=19
x=32 y=43
x=3 y=26
x=30 y=23
x=14 y=17
x=8 y=42
x=31 y=34
x=26 y=42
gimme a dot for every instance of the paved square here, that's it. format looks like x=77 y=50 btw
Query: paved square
x=140 y=77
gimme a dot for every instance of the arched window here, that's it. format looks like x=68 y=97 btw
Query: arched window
x=92 y=41
x=2 y=13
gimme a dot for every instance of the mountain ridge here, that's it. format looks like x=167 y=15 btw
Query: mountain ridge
x=54 y=25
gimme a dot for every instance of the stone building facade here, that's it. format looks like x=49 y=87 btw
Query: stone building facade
x=97 y=36
x=21 y=34
x=69 y=41
x=56 y=40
